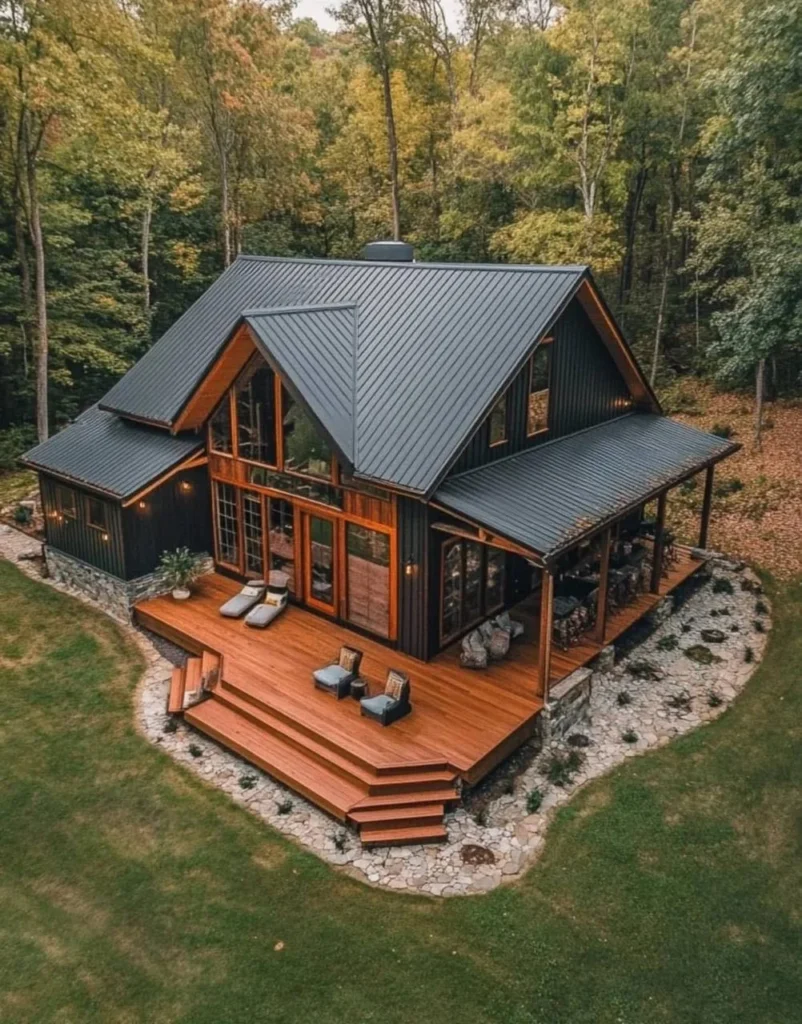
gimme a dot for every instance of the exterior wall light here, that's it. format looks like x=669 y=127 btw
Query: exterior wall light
x=410 y=568
x=185 y=486
x=105 y=536
x=143 y=505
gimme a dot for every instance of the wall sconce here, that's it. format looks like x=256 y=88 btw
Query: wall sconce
x=410 y=568
x=142 y=505
x=105 y=536
x=185 y=486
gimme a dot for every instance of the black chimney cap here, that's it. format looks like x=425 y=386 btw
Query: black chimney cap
x=388 y=252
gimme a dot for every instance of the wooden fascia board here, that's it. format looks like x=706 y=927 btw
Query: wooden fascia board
x=602 y=319
x=484 y=535
x=217 y=380
x=193 y=462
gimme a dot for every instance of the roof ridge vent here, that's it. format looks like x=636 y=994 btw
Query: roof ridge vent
x=388 y=252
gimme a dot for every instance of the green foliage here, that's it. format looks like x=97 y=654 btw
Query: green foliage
x=701 y=654
x=534 y=799
x=623 y=697
x=562 y=768
x=670 y=642
x=629 y=736
x=13 y=442
x=180 y=568
x=721 y=585
x=722 y=430
x=22 y=515
x=642 y=668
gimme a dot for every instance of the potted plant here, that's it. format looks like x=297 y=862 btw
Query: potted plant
x=179 y=569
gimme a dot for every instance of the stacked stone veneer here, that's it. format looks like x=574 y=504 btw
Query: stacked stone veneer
x=115 y=596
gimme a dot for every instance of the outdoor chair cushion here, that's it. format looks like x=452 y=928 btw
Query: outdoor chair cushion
x=391 y=705
x=251 y=594
x=263 y=614
x=377 y=705
x=337 y=678
x=332 y=675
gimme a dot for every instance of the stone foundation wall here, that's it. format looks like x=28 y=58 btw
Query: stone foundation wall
x=569 y=704
x=117 y=597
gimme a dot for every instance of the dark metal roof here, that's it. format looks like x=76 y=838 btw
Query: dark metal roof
x=436 y=343
x=548 y=497
x=109 y=454
x=315 y=350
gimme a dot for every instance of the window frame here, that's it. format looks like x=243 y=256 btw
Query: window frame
x=88 y=499
x=545 y=346
x=501 y=403
x=485 y=611
x=278 y=435
x=61 y=490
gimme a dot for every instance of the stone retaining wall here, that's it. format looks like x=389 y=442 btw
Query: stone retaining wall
x=117 y=597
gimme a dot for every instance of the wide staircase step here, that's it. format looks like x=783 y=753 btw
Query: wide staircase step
x=388 y=806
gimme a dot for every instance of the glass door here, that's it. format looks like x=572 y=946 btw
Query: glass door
x=368 y=578
x=321 y=569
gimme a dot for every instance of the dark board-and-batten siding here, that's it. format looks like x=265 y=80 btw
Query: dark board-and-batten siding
x=413 y=553
x=103 y=549
x=585 y=388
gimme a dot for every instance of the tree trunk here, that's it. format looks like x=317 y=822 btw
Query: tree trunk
x=147 y=217
x=42 y=346
x=392 y=150
x=760 y=378
x=25 y=286
x=224 y=206
x=631 y=225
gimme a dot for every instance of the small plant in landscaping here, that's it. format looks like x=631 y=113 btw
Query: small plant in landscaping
x=685 y=627
x=562 y=768
x=688 y=486
x=735 y=628
x=643 y=669
x=284 y=806
x=668 y=643
x=534 y=798
x=481 y=817
x=722 y=430
x=578 y=739
x=195 y=750
x=340 y=841
x=247 y=781
x=679 y=701
x=170 y=726
x=22 y=515
x=759 y=625
x=629 y=736
x=623 y=698
x=701 y=655
x=509 y=787
x=726 y=487
x=761 y=608
x=750 y=586
x=749 y=655
x=721 y=585
x=714 y=700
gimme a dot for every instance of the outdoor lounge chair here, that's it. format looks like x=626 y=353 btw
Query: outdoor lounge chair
x=337 y=678
x=276 y=598
x=251 y=594
x=391 y=705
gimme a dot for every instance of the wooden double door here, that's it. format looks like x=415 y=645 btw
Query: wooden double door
x=339 y=567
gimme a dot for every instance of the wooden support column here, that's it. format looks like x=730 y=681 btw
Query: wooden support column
x=659 y=536
x=601 y=600
x=706 y=505
x=544 y=648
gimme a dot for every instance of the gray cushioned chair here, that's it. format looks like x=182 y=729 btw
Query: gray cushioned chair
x=391 y=705
x=251 y=594
x=336 y=679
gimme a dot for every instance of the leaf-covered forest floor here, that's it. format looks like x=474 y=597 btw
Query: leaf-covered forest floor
x=758 y=492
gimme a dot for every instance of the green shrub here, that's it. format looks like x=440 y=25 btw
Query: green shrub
x=643 y=669
x=714 y=700
x=761 y=608
x=759 y=626
x=623 y=698
x=13 y=442
x=629 y=736
x=749 y=655
x=730 y=485
x=562 y=768
x=284 y=806
x=340 y=840
x=668 y=643
x=195 y=750
x=701 y=655
x=679 y=701
x=534 y=798
x=170 y=726
x=22 y=515
x=247 y=781
x=722 y=430
x=721 y=585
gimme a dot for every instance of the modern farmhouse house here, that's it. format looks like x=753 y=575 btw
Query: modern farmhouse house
x=419 y=448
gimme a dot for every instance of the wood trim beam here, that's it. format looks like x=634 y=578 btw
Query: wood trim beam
x=544 y=645
x=482 y=537
x=659 y=539
x=601 y=601
x=707 y=504
x=219 y=378
x=194 y=462
x=618 y=348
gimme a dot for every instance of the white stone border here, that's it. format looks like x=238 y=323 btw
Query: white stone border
x=508 y=834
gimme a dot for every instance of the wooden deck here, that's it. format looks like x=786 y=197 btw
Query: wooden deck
x=393 y=783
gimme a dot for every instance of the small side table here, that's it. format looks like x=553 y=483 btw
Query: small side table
x=359 y=689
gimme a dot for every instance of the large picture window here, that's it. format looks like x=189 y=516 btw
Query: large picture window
x=253 y=534
x=281 y=539
x=226 y=527
x=368 y=565
x=256 y=413
x=537 y=410
x=472 y=585
x=220 y=429
x=305 y=451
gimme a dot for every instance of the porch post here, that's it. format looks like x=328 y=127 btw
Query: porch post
x=706 y=505
x=601 y=598
x=544 y=649
x=659 y=532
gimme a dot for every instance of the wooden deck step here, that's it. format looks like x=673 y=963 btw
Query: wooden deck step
x=192 y=683
x=403 y=836
x=445 y=796
x=280 y=759
x=175 y=699
x=210 y=669
x=383 y=818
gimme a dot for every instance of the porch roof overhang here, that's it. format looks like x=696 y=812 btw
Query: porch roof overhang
x=551 y=497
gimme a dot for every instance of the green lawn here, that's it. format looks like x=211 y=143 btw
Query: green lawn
x=670 y=891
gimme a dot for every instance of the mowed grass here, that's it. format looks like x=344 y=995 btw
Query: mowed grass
x=129 y=892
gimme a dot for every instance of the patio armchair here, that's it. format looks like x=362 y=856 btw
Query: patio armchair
x=336 y=679
x=391 y=705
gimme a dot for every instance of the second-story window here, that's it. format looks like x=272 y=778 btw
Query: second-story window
x=537 y=410
x=305 y=451
x=256 y=414
x=498 y=422
x=220 y=428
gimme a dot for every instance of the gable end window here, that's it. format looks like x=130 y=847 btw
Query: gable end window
x=220 y=428
x=537 y=407
x=498 y=422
